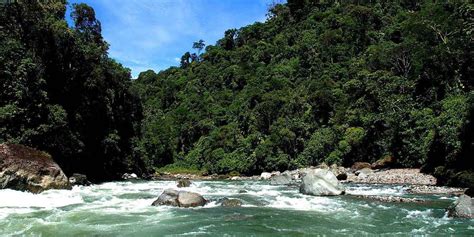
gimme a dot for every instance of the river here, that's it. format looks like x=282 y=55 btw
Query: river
x=124 y=209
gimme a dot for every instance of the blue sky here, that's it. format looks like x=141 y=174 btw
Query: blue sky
x=153 y=34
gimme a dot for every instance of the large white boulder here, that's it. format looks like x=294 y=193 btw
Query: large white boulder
x=321 y=182
x=265 y=175
x=463 y=207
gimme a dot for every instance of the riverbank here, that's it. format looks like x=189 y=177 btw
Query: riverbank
x=415 y=181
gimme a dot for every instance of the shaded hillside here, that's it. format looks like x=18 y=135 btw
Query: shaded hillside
x=61 y=93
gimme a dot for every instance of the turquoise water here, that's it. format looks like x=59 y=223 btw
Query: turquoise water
x=124 y=209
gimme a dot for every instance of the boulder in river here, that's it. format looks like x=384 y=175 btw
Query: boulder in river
x=128 y=176
x=265 y=175
x=281 y=179
x=228 y=202
x=321 y=182
x=79 y=179
x=190 y=199
x=339 y=171
x=26 y=169
x=171 y=197
x=183 y=183
x=463 y=207
x=360 y=165
x=341 y=176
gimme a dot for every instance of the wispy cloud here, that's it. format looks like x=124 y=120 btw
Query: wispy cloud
x=153 y=34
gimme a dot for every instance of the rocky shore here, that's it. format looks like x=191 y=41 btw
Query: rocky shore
x=394 y=199
x=417 y=182
x=391 y=176
x=427 y=189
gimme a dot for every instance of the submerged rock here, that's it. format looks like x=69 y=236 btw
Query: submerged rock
x=237 y=217
x=171 y=197
x=226 y=202
x=321 y=182
x=26 y=169
x=463 y=207
x=79 y=179
x=183 y=183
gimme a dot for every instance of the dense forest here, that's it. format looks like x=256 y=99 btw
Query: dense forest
x=61 y=93
x=317 y=82
x=321 y=82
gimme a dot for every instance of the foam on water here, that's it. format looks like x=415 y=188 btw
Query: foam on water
x=305 y=203
x=376 y=190
x=120 y=207
x=48 y=199
x=419 y=214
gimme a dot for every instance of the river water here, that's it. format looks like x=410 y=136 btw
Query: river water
x=124 y=209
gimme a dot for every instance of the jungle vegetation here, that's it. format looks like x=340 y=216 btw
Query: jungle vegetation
x=317 y=82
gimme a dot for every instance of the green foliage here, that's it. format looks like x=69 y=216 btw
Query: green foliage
x=317 y=82
x=177 y=169
x=320 y=82
x=318 y=147
x=61 y=93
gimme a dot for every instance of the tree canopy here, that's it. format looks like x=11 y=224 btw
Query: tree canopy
x=60 y=92
x=334 y=82
x=321 y=82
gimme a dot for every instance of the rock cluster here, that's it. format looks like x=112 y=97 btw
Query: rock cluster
x=393 y=176
x=339 y=171
x=429 y=189
x=183 y=183
x=128 y=176
x=26 y=169
x=395 y=199
x=171 y=197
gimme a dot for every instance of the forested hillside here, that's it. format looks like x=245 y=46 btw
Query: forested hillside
x=61 y=93
x=316 y=82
